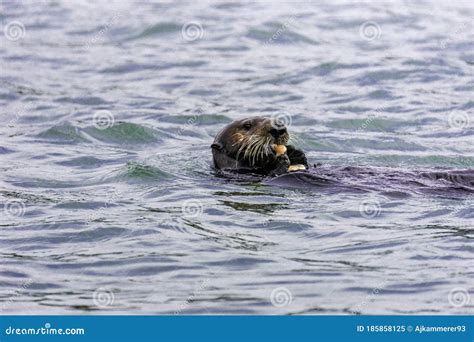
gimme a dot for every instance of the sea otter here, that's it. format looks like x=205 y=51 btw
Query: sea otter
x=257 y=145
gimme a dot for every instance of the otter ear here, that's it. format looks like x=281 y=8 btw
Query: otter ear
x=217 y=146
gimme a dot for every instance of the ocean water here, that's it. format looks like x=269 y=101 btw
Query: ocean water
x=108 y=201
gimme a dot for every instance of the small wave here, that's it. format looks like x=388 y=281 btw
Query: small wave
x=121 y=133
x=64 y=132
x=278 y=33
x=129 y=67
x=124 y=133
x=85 y=162
x=142 y=171
x=370 y=123
x=159 y=29
x=197 y=119
x=83 y=100
x=4 y=150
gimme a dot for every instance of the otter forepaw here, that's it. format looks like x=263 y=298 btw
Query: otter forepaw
x=281 y=165
x=297 y=157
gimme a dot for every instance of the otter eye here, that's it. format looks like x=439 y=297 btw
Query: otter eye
x=247 y=125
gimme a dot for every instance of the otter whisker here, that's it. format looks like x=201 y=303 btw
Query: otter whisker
x=252 y=149
x=238 y=140
x=257 y=150
x=261 y=148
x=266 y=148
x=244 y=144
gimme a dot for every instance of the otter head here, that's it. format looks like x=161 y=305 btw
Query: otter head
x=247 y=143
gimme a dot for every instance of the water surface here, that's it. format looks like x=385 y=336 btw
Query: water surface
x=109 y=201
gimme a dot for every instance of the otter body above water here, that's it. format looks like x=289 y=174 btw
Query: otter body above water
x=256 y=145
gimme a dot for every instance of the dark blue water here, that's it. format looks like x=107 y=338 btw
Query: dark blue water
x=109 y=202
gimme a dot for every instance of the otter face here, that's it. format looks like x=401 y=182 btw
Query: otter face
x=248 y=141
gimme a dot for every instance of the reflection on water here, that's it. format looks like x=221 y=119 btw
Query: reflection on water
x=109 y=201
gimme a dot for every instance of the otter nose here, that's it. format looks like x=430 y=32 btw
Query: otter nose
x=276 y=132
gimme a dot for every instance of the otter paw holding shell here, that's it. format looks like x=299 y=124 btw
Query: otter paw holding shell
x=297 y=167
x=279 y=149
